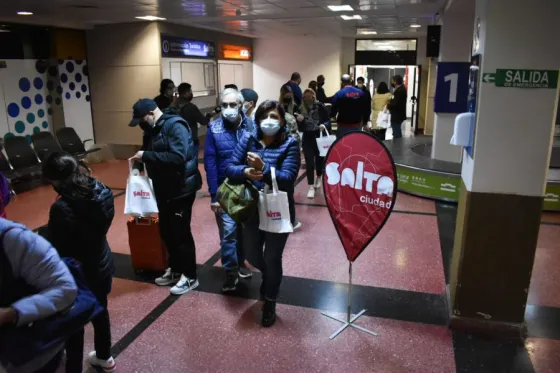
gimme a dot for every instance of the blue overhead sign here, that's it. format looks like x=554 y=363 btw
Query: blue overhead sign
x=452 y=87
x=176 y=47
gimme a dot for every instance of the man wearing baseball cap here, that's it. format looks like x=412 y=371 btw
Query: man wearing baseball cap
x=250 y=104
x=169 y=155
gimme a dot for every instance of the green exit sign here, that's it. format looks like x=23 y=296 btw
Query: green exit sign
x=514 y=78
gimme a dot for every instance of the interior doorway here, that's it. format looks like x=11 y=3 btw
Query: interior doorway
x=375 y=74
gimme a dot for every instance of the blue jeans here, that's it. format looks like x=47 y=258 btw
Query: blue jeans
x=269 y=261
x=397 y=129
x=230 y=241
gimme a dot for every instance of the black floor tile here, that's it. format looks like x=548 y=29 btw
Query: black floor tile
x=543 y=322
x=475 y=354
x=321 y=295
x=446 y=218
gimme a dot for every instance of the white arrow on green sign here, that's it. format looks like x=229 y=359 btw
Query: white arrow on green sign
x=516 y=78
x=489 y=77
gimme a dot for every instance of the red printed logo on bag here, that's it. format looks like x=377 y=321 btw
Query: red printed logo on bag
x=142 y=194
x=274 y=215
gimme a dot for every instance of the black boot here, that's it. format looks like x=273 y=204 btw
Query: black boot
x=268 y=314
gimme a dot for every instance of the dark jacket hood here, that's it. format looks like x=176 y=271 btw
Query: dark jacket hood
x=97 y=208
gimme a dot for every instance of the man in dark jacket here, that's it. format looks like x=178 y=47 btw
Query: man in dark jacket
x=189 y=112
x=321 y=95
x=166 y=90
x=169 y=155
x=367 y=97
x=349 y=107
x=397 y=106
x=222 y=138
x=295 y=81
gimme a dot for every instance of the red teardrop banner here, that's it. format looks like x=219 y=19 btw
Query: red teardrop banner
x=360 y=186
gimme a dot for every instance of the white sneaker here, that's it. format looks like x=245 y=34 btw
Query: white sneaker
x=168 y=278
x=108 y=366
x=184 y=285
x=319 y=182
x=311 y=192
x=297 y=225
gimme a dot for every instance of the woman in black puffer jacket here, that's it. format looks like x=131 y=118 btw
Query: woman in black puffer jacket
x=78 y=224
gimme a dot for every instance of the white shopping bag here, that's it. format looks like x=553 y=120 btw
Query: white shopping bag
x=139 y=198
x=384 y=119
x=274 y=209
x=325 y=142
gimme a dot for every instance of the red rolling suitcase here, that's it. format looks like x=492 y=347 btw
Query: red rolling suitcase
x=147 y=250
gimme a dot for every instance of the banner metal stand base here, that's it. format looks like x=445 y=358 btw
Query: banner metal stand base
x=349 y=320
x=347 y=324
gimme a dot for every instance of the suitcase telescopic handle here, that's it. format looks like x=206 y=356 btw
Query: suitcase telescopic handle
x=138 y=220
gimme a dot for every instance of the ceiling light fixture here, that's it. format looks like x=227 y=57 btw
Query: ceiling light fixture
x=415 y=26
x=340 y=8
x=348 y=18
x=151 y=18
x=24 y=13
x=367 y=32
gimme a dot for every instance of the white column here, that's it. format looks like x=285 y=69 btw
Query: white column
x=503 y=183
x=515 y=126
x=455 y=46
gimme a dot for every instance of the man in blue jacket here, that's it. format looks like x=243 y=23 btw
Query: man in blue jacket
x=169 y=154
x=221 y=139
x=350 y=107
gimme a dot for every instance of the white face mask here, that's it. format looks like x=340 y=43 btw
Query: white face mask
x=230 y=114
x=270 y=127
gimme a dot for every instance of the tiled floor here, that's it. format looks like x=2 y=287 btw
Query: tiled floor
x=399 y=279
x=298 y=343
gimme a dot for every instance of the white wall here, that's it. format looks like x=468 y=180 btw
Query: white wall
x=76 y=98
x=23 y=101
x=276 y=59
x=171 y=69
x=235 y=72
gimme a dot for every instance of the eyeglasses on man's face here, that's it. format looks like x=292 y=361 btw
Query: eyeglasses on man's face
x=232 y=105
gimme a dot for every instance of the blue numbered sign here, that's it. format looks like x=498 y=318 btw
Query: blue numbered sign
x=452 y=87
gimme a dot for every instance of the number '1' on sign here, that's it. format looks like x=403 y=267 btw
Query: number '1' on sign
x=454 y=79
x=452 y=87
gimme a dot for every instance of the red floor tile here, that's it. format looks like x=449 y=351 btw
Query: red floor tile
x=545 y=354
x=123 y=315
x=551 y=217
x=406 y=202
x=211 y=333
x=111 y=173
x=545 y=281
x=32 y=208
x=405 y=255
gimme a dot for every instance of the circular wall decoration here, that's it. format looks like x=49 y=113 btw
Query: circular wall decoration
x=26 y=102
x=38 y=83
x=24 y=85
x=20 y=127
x=13 y=110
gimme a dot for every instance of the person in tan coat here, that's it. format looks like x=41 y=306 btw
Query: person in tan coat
x=378 y=104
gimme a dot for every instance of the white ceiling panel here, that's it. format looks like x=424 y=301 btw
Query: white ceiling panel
x=253 y=18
